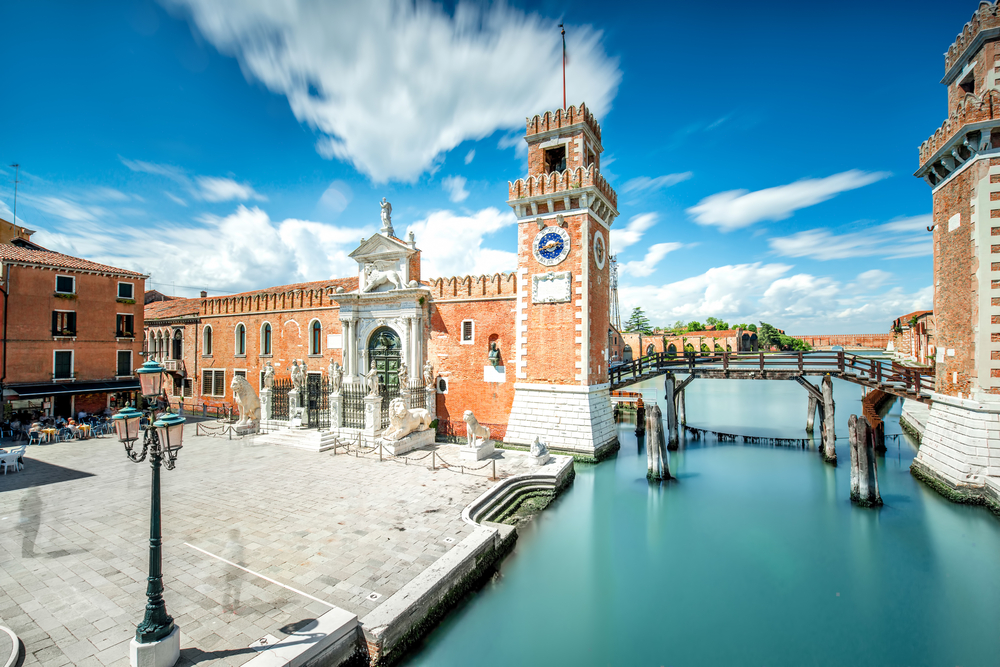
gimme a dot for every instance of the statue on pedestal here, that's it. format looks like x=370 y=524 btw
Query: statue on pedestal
x=268 y=376
x=386 y=217
x=428 y=374
x=475 y=433
x=371 y=379
x=404 y=375
x=494 y=355
x=336 y=377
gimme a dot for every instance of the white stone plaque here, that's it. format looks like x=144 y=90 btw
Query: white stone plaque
x=551 y=287
x=334 y=341
x=954 y=222
x=491 y=374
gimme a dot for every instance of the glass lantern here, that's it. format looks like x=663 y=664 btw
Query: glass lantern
x=150 y=378
x=127 y=424
x=170 y=433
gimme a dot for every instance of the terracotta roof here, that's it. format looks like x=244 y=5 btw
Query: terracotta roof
x=158 y=310
x=349 y=285
x=13 y=253
x=916 y=313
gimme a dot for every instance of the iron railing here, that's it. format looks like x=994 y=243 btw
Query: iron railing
x=352 y=410
x=279 y=399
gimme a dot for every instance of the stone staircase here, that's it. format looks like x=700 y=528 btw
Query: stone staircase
x=311 y=439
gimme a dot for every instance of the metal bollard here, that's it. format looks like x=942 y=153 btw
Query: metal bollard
x=494 y=469
x=433 y=460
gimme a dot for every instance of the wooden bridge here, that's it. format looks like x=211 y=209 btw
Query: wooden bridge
x=888 y=377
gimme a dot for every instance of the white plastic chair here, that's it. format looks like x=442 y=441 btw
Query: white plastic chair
x=10 y=460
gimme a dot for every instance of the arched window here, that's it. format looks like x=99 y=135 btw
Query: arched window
x=207 y=341
x=178 y=345
x=650 y=349
x=315 y=335
x=241 y=339
x=159 y=345
x=265 y=338
x=151 y=346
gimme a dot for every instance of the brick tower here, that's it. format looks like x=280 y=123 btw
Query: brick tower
x=564 y=210
x=961 y=164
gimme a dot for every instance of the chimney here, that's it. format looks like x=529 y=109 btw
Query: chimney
x=204 y=294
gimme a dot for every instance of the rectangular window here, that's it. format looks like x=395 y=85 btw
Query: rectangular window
x=178 y=386
x=468 y=331
x=126 y=291
x=188 y=388
x=124 y=363
x=242 y=374
x=62 y=366
x=125 y=328
x=63 y=323
x=65 y=284
x=555 y=159
x=213 y=383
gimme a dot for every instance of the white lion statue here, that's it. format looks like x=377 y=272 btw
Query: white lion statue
x=475 y=433
x=246 y=401
x=403 y=421
x=374 y=277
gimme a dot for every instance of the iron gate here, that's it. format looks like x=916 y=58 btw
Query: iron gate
x=353 y=405
x=318 y=401
x=279 y=399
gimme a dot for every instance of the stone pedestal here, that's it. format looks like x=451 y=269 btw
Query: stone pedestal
x=247 y=429
x=265 y=404
x=960 y=447
x=409 y=443
x=540 y=460
x=484 y=449
x=430 y=400
x=336 y=410
x=569 y=418
x=373 y=415
x=163 y=653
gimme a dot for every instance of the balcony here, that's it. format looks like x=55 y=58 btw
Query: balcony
x=174 y=366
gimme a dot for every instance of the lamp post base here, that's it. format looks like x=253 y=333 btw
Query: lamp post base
x=163 y=653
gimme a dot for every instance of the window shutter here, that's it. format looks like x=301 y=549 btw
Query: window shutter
x=55 y=323
x=206 y=383
x=467 y=330
x=220 y=383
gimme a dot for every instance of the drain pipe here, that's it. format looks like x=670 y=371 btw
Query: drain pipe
x=5 y=288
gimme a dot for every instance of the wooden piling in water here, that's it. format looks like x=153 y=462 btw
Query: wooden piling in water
x=811 y=413
x=681 y=410
x=668 y=399
x=656 y=450
x=864 y=467
x=829 y=433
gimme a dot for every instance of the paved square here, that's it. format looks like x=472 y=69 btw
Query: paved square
x=329 y=529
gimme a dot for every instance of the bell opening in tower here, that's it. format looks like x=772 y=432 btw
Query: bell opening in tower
x=555 y=159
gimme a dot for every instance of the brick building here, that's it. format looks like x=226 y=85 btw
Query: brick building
x=69 y=341
x=913 y=337
x=527 y=351
x=961 y=163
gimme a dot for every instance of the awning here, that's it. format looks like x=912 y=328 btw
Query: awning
x=56 y=388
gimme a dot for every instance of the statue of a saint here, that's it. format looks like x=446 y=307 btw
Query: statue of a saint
x=404 y=375
x=386 y=217
x=298 y=372
x=336 y=377
x=268 y=376
x=428 y=374
x=494 y=355
x=371 y=379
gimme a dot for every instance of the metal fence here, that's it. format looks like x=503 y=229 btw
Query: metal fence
x=318 y=401
x=279 y=399
x=389 y=392
x=352 y=398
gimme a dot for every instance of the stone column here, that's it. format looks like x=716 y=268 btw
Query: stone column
x=412 y=352
x=373 y=415
x=668 y=388
x=811 y=413
x=829 y=435
x=265 y=405
x=336 y=411
x=345 y=349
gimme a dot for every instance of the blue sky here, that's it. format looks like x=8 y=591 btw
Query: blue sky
x=763 y=155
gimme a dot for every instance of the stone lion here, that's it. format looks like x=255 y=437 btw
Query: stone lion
x=403 y=421
x=246 y=401
x=475 y=433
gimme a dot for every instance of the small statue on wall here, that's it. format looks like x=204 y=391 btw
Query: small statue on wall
x=336 y=377
x=298 y=372
x=268 y=376
x=371 y=379
x=386 y=217
x=404 y=375
x=494 y=355
x=428 y=374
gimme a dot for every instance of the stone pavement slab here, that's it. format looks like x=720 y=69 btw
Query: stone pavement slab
x=258 y=540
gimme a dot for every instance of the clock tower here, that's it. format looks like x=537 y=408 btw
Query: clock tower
x=564 y=211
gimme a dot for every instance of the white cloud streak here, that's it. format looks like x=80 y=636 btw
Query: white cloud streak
x=455 y=187
x=206 y=188
x=393 y=84
x=452 y=245
x=645 y=183
x=632 y=233
x=736 y=209
x=898 y=239
x=646 y=266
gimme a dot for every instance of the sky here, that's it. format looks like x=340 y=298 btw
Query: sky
x=762 y=152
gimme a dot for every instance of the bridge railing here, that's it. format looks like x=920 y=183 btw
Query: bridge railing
x=866 y=370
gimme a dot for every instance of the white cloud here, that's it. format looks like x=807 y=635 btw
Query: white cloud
x=215 y=189
x=632 y=232
x=452 y=245
x=242 y=251
x=67 y=209
x=393 y=84
x=175 y=198
x=455 y=187
x=735 y=209
x=906 y=237
x=470 y=156
x=173 y=173
x=7 y=214
x=800 y=303
x=643 y=183
x=647 y=265
x=336 y=197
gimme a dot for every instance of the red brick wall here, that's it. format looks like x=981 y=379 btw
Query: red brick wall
x=30 y=343
x=872 y=341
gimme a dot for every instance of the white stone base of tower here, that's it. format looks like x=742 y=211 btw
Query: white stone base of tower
x=959 y=452
x=567 y=418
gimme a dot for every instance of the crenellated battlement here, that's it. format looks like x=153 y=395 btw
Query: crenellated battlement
x=984 y=18
x=498 y=284
x=554 y=120
x=561 y=181
x=972 y=109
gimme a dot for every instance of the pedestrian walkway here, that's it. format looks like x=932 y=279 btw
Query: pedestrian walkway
x=258 y=540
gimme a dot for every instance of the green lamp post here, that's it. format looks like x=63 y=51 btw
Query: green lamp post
x=161 y=440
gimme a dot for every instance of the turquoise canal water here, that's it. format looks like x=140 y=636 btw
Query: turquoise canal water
x=754 y=556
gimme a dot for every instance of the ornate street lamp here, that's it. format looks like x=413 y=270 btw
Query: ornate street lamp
x=161 y=439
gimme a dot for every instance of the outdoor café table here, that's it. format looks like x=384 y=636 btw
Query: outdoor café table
x=49 y=433
x=84 y=430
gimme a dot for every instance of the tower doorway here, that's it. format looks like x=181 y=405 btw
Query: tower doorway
x=385 y=350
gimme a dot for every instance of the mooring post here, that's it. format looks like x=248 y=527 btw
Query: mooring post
x=656 y=452
x=681 y=411
x=852 y=436
x=861 y=442
x=668 y=398
x=811 y=414
x=829 y=434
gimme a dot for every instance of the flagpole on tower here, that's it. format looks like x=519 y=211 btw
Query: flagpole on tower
x=564 y=64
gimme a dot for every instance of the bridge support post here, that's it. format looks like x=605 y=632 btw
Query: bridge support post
x=656 y=452
x=829 y=434
x=668 y=399
x=681 y=412
x=811 y=414
x=864 y=471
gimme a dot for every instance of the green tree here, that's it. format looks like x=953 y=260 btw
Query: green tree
x=638 y=322
x=769 y=336
x=720 y=325
x=695 y=325
x=752 y=327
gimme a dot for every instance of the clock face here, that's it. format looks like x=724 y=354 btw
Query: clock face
x=551 y=246
x=600 y=250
